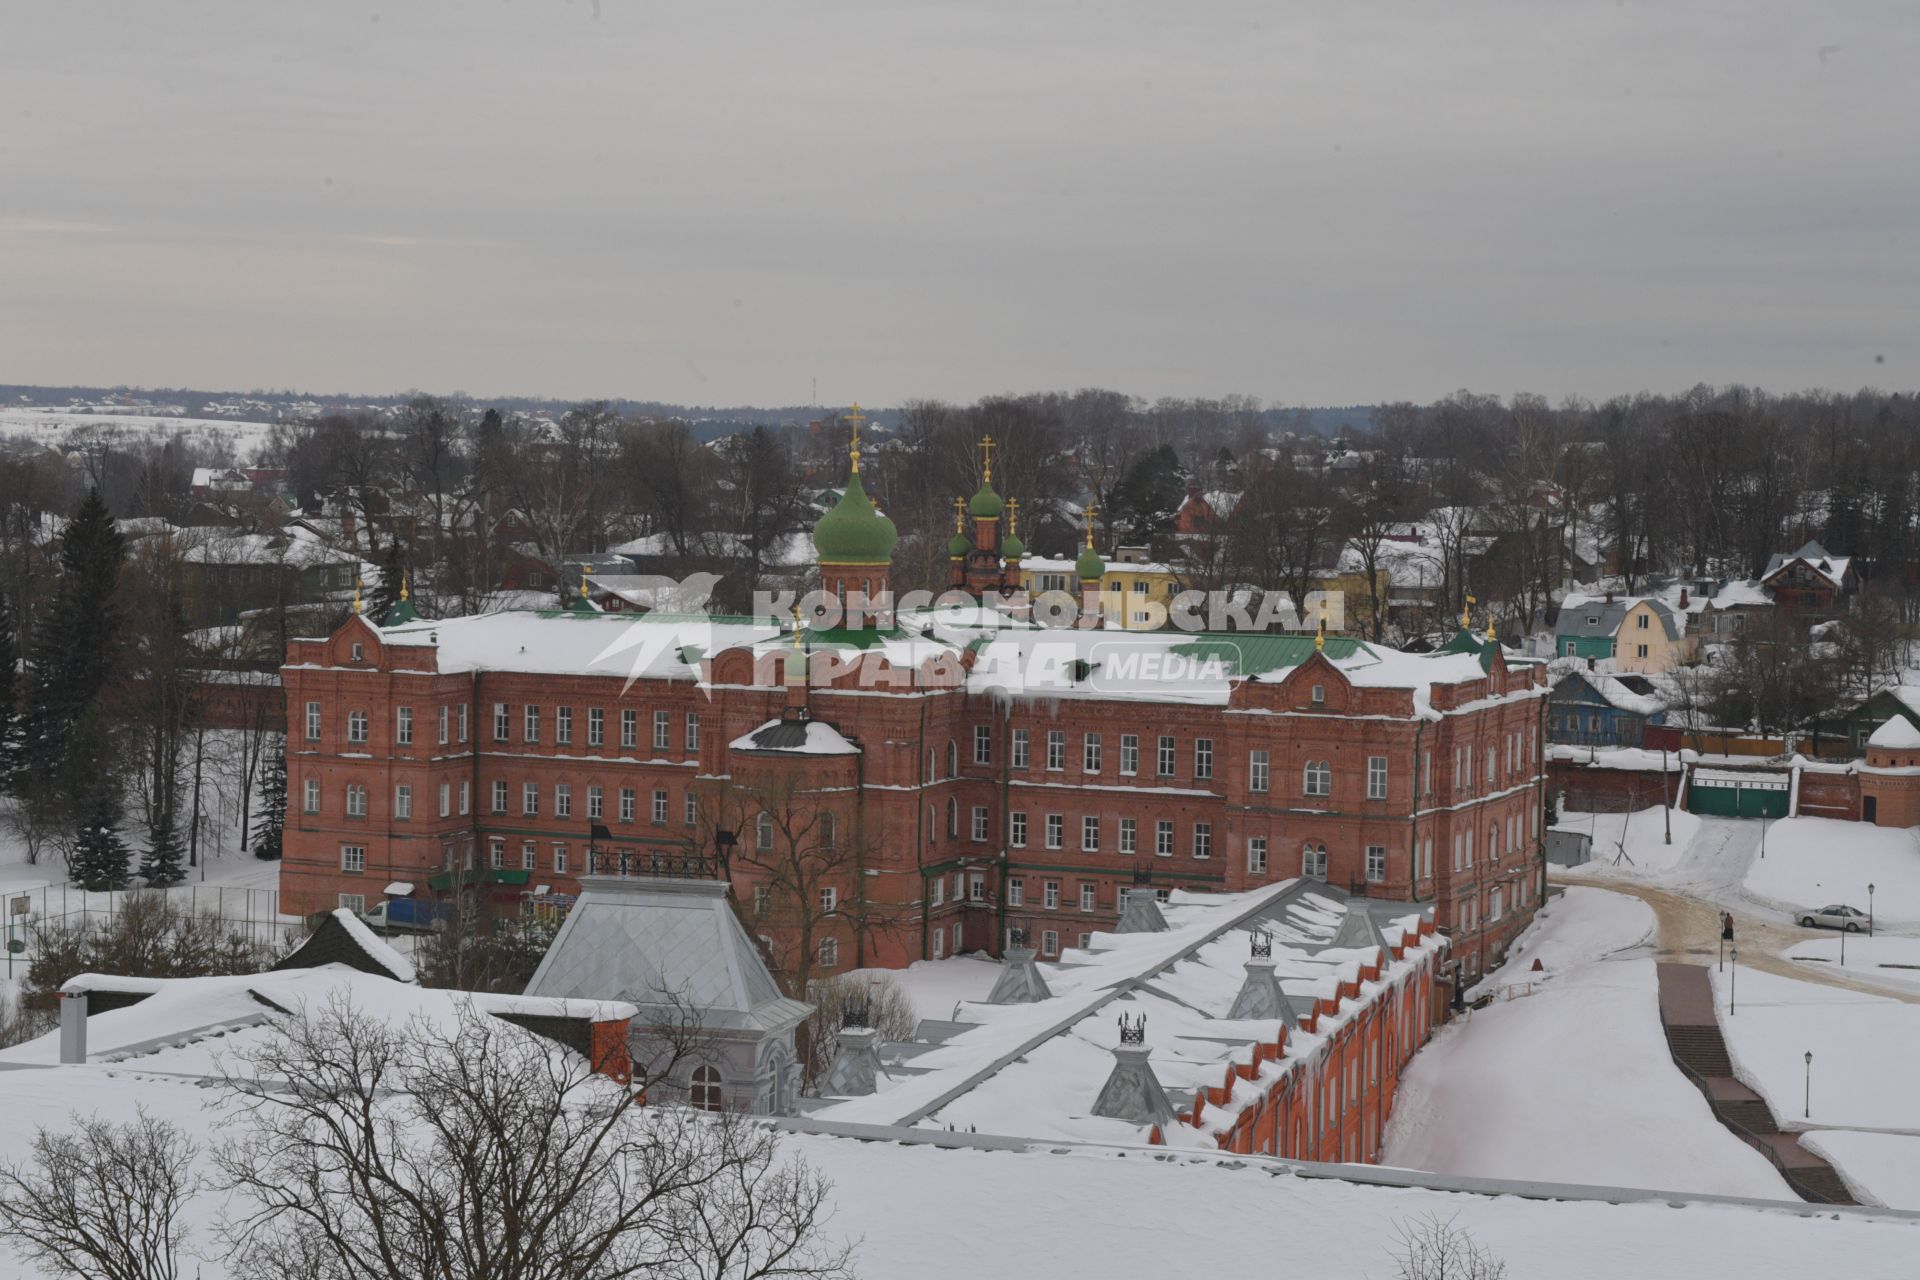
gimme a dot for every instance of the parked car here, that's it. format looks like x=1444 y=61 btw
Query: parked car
x=405 y=915
x=1835 y=917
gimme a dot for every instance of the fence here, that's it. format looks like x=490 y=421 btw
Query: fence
x=252 y=913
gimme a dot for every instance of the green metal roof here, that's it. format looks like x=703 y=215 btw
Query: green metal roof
x=1254 y=654
x=854 y=532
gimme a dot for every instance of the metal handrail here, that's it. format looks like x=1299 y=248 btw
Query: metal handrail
x=1750 y=1137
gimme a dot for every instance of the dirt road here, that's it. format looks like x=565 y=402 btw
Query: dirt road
x=1689 y=932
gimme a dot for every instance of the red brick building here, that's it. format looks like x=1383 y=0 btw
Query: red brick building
x=899 y=787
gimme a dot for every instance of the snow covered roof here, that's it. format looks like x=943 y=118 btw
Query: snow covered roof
x=1897 y=733
x=1816 y=557
x=796 y=737
x=1035 y=1069
x=1598 y=617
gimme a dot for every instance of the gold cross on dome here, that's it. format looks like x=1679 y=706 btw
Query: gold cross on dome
x=986 y=456
x=855 y=418
x=1013 y=516
x=1091 y=512
x=959 y=515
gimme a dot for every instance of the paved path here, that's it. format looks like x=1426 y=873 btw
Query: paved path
x=1692 y=1024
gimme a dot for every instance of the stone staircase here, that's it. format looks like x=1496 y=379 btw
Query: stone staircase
x=1693 y=1038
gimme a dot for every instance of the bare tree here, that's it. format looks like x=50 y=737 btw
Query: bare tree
x=1430 y=1247
x=375 y=1151
x=102 y=1202
x=878 y=1000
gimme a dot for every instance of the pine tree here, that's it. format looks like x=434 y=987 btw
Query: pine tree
x=270 y=826
x=386 y=592
x=166 y=860
x=9 y=721
x=74 y=643
x=100 y=856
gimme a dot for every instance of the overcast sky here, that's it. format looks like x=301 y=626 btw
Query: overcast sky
x=719 y=203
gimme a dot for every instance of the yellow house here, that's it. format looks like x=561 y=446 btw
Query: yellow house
x=1135 y=592
x=1356 y=615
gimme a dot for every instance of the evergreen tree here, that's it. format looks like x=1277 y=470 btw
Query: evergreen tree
x=9 y=721
x=74 y=643
x=166 y=860
x=99 y=859
x=270 y=826
x=386 y=593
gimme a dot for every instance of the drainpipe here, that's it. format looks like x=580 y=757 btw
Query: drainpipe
x=920 y=828
x=1413 y=820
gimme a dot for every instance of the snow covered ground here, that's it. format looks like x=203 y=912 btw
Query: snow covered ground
x=54 y=427
x=935 y=986
x=1863 y=1047
x=1864 y=1050
x=1806 y=862
x=1883 y=958
x=1879 y=1166
x=1632 y=846
x=1811 y=862
x=1570 y=1079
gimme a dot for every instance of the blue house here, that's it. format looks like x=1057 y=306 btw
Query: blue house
x=1589 y=709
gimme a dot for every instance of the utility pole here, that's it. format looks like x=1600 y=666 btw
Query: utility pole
x=1666 y=797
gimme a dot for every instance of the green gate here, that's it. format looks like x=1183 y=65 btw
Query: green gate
x=1726 y=794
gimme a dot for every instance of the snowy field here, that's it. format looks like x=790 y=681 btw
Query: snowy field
x=1811 y=862
x=1807 y=862
x=1882 y=958
x=1570 y=1080
x=1632 y=846
x=1864 y=1048
x=57 y=426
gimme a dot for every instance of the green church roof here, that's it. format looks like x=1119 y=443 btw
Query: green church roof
x=1089 y=567
x=986 y=504
x=853 y=532
x=958 y=546
x=1012 y=548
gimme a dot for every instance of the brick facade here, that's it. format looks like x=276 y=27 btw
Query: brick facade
x=1439 y=808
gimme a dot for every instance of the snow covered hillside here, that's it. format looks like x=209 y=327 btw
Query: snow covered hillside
x=1566 y=1077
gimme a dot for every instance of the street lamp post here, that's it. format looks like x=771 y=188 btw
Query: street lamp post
x=1869 y=910
x=1763 y=836
x=1843 y=945
x=1733 y=984
x=1806 y=1111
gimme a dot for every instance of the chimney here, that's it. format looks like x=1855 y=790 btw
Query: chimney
x=1140 y=912
x=73 y=1027
x=1683 y=598
x=856 y=1057
x=1261 y=996
x=1609 y=595
x=1132 y=1092
x=1020 y=981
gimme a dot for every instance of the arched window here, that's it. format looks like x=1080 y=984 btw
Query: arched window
x=705 y=1090
x=933 y=825
x=827 y=831
x=1493 y=843
x=1313 y=861
x=763 y=833
x=953 y=759
x=933 y=765
x=953 y=816
x=1318 y=778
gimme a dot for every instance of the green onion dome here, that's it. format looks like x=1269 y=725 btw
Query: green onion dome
x=958 y=546
x=1089 y=567
x=1011 y=547
x=853 y=532
x=986 y=504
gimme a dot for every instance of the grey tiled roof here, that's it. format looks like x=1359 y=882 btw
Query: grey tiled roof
x=652 y=941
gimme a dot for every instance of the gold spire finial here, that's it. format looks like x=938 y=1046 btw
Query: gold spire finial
x=1490 y=634
x=1013 y=517
x=797 y=642
x=1466 y=615
x=357 y=584
x=583 y=580
x=986 y=456
x=959 y=515
x=1091 y=512
x=1320 y=636
x=855 y=418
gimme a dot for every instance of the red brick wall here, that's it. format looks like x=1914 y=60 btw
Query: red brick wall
x=1591 y=789
x=897 y=790
x=1830 y=795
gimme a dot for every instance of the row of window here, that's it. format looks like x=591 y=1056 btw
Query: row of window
x=356 y=799
x=453 y=726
